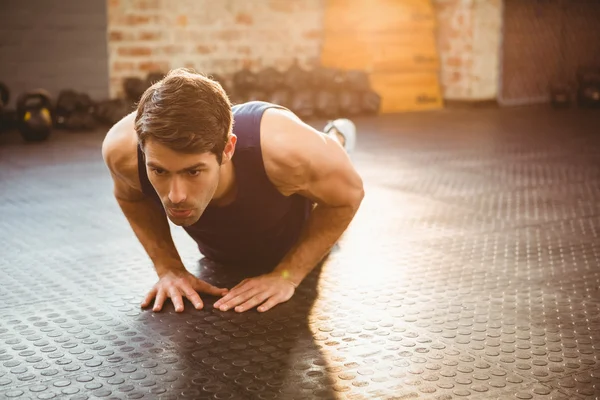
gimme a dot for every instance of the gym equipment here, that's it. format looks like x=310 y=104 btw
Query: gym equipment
x=4 y=95
x=371 y=102
x=588 y=89
x=257 y=95
x=281 y=97
x=349 y=103
x=113 y=110
x=357 y=80
x=8 y=119
x=74 y=111
x=560 y=92
x=297 y=78
x=134 y=88
x=322 y=91
x=80 y=121
x=560 y=95
x=244 y=81
x=327 y=104
x=222 y=81
x=303 y=103
x=66 y=103
x=235 y=97
x=328 y=78
x=269 y=79
x=34 y=115
x=154 y=77
x=101 y=111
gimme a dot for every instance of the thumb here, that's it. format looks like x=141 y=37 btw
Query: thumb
x=206 y=287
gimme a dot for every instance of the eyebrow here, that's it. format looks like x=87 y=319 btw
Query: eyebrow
x=191 y=167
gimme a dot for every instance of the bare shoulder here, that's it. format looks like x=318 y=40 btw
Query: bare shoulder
x=119 y=151
x=300 y=159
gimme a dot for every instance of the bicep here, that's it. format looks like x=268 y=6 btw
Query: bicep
x=331 y=180
x=307 y=162
x=116 y=155
x=123 y=190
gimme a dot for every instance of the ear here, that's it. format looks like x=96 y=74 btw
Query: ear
x=229 y=148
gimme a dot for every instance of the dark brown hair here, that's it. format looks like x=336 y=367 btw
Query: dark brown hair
x=187 y=112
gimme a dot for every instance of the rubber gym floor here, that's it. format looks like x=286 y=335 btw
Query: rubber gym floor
x=471 y=271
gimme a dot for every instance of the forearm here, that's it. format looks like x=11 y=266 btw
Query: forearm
x=323 y=229
x=152 y=229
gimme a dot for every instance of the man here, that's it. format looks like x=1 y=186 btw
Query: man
x=251 y=184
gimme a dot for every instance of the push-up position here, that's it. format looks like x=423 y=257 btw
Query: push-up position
x=252 y=185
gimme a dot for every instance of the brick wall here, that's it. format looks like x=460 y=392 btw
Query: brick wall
x=469 y=33
x=210 y=36
x=222 y=36
x=54 y=45
x=537 y=52
x=455 y=46
x=487 y=37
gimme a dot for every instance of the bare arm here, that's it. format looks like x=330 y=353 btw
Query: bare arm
x=150 y=225
x=300 y=160
x=147 y=220
x=305 y=162
x=152 y=230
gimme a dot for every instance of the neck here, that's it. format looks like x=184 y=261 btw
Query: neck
x=227 y=189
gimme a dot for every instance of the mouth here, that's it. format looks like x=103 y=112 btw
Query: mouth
x=180 y=213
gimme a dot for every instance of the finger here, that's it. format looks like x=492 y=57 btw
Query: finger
x=242 y=283
x=232 y=294
x=236 y=291
x=272 y=302
x=176 y=299
x=149 y=297
x=205 y=287
x=253 y=302
x=193 y=297
x=237 y=300
x=160 y=299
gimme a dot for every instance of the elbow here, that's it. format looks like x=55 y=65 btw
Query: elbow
x=359 y=198
x=357 y=195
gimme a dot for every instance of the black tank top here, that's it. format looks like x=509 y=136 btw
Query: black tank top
x=261 y=225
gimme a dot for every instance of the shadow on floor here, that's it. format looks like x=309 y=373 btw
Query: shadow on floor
x=254 y=355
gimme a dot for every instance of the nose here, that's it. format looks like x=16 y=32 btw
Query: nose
x=177 y=191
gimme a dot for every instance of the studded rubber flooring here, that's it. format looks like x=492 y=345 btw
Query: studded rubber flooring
x=471 y=271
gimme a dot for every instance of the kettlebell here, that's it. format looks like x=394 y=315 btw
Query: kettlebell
x=34 y=115
x=4 y=95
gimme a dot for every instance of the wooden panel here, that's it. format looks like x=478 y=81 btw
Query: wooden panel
x=394 y=41
x=407 y=91
x=399 y=36
x=406 y=61
x=373 y=15
x=391 y=53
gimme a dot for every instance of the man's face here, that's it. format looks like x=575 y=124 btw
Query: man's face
x=185 y=183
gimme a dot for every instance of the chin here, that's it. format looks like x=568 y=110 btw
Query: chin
x=184 y=222
x=191 y=220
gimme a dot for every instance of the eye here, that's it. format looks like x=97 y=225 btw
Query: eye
x=194 y=172
x=158 y=171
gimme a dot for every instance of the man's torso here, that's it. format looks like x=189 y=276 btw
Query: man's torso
x=261 y=224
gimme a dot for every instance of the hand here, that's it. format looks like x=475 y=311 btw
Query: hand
x=268 y=290
x=176 y=284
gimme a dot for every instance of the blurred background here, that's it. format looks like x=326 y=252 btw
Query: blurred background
x=324 y=58
x=471 y=269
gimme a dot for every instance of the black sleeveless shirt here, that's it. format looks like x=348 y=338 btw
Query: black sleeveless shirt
x=261 y=225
